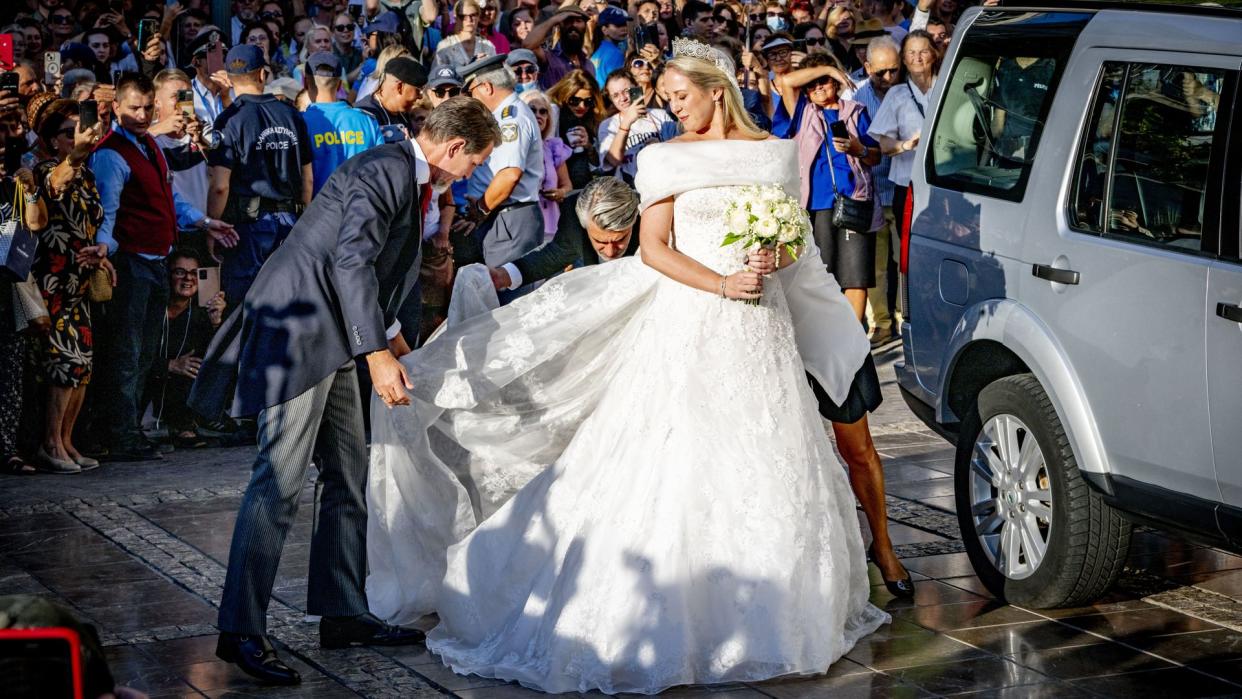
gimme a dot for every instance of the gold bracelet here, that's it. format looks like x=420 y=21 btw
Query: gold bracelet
x=722 y=286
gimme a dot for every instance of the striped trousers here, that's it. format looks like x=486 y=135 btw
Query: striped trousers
x=325 y=421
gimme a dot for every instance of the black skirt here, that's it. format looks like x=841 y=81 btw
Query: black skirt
x=864 y=396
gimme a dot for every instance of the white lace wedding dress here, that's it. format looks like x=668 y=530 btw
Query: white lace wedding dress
x=622 y=483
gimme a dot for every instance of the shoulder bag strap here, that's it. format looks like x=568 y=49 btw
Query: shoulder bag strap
x=917 y=105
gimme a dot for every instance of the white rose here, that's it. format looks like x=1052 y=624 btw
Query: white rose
x=739 y=220
x=767 y=227
x=789 y=233
x=785 y=211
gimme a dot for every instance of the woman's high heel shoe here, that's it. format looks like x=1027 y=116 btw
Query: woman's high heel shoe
x=903 y=588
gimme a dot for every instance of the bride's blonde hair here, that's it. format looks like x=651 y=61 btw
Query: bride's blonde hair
x=707 y=77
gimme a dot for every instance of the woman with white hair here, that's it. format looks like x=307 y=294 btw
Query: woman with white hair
x=556 y=185
x=620 y=482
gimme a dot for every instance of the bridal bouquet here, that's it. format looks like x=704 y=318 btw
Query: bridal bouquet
x=764 y=216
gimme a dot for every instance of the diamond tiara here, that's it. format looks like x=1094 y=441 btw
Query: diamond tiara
x=690 y=48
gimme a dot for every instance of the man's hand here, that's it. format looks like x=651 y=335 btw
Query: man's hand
x=631 y=114
x=90 y=255
x=398 y=346
x=186 y=365
x=9 y=101
x=194 y=128
x=174 y=125
x=220 y=82
x=474 y=212
x=153 y=52
x=26 y=178
x=500 y=278
x=389 y=378
x=222 y=233
x=215 y=309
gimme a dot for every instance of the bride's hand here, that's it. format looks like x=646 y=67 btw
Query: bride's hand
x=744 y=285
x=762 y=261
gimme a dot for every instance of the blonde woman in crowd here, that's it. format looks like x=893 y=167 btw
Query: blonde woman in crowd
x=556 y=184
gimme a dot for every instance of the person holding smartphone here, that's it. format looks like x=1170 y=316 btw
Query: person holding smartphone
x=634 y=126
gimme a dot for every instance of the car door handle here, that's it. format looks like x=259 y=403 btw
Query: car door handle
x=1052 y=274
x=1229 y=312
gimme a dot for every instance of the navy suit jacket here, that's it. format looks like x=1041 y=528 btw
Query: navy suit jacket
x=327 y=294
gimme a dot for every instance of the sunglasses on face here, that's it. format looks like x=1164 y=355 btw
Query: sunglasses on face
x=818 y=83
x=525 y=70
x=344 y=27
x=65 y=132
x=755 y=19
x=62 y=19
x=449 y=91
x=775 y=14
x=578 y=101
x=640 y=64
x=814 y=41
x=886 y=71
x=271 y=15
x=542 y=111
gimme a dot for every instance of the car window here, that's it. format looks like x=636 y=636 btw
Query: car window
x=994 y=107
x=1142 y=168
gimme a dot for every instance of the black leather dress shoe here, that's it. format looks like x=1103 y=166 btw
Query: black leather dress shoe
x=257 y=658
x=364 y=630
x=133 y=452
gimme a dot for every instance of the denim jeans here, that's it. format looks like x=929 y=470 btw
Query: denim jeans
x=138 y=308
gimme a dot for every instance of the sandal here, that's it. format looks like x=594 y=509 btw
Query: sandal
x=17 y=466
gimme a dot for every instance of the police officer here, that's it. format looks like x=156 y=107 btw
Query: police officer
x=260 y=171
x=504 y=192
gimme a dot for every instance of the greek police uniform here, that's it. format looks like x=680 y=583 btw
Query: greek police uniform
x=516 y=226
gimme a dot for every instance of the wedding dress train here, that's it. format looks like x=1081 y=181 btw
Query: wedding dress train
x=622 y=483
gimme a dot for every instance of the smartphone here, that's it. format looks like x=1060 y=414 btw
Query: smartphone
x=6 y=52
x=208 y=284
x=51 y=66
x=88 y=114
x=9 y=81
x=12 y=156
x=799 y=45
x=646 y=34
x=146 y=29
x=42 y=663
x=839 y=130
x=636 y=95
x=215 y=54
x=185 y=102
x=394 y=133
x=355 y=10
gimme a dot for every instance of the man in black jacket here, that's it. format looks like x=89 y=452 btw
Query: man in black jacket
x=597 y=225
x=328 y=295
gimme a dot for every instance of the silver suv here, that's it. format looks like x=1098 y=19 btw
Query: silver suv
x=1074 y=291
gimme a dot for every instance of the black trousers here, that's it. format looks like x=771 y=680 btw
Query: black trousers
x=136 y=312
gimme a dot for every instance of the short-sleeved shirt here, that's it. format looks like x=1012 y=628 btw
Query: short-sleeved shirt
x=521 y=146
x=830 y=163
x=869 y=98
x=1021 y=92
x=607 y=58
x=656 y=127
x=338 y=132
x=263 y=142
x=900 y=117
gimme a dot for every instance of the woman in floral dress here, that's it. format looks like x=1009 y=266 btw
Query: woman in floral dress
x=68 y=255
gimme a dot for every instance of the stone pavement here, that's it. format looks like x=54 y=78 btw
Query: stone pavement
x=140 y=550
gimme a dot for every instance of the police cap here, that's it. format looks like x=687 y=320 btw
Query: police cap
x=483 y=65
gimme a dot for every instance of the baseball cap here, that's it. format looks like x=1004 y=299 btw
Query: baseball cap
x=244 y=59
x=444 y=75
x=407 y=70
x=78 y=53
x=776 y=42
x=517 y=56
x=386 y=23
x=324 y=63
x=613 y=16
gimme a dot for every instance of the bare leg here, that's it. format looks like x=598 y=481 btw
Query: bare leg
x=858 y=301
x=867 y=480
x=57 y=405
x=76 y=398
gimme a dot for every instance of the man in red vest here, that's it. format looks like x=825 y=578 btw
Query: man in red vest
x=141 y=216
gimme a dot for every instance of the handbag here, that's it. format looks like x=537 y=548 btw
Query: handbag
x=28 y=305
x=99 y=288
x=847 y=214
x=17 y=243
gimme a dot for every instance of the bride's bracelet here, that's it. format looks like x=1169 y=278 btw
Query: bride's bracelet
x=722 y=286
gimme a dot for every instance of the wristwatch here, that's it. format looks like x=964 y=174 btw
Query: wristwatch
x=205 y=223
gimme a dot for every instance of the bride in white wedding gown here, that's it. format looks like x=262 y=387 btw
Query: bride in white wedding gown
x=621 y=482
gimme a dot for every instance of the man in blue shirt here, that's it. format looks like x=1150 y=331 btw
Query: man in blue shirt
x=610 y=55
x=337 y=131
x=141 y=216
x=260 y=171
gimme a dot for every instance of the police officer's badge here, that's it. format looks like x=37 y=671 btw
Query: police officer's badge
x=509 y=132
x=508 y=112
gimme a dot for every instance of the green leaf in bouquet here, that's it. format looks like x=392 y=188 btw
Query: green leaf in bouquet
x=731 y=239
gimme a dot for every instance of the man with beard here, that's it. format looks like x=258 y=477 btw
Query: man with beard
x=568 y=54
x=321 y=301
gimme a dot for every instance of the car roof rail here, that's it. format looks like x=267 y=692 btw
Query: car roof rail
x=1220 y=8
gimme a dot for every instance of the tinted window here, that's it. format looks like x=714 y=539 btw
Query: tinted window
x=999 y=93
x=1143 y=166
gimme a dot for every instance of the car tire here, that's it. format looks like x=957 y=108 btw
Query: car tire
x=1067 y=559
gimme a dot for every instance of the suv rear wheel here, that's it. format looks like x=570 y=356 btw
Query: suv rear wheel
x=1036 y=533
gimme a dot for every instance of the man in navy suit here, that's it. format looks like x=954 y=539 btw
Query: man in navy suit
x=329 y=294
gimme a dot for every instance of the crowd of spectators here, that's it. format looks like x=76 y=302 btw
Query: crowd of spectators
x=159 y=159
